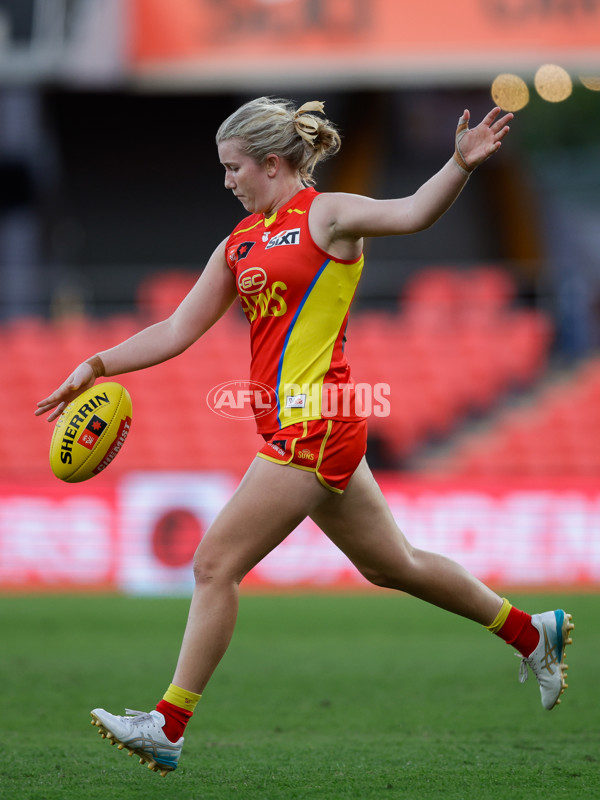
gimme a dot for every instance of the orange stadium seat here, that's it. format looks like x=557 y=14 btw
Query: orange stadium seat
x=559 y=434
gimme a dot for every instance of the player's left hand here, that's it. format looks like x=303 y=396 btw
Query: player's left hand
x=78 y=381
x=475 y=145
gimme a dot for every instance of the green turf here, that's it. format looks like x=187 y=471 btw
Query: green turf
x=328 y=697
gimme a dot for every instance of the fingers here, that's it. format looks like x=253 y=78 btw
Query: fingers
x=497 y=143
x=501 y=128
x=58 y=399
x=463 y=124
x=45 y=404
x=495 y=124
x=49 y=403
x=77 y=382
x=492 y=121
x=502 y=133
x=475 y=145
x=491 y=116
x=57 y=412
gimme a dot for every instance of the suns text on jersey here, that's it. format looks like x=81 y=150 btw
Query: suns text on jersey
x=268 y=303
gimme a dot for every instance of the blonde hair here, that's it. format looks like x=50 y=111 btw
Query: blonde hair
x=272 y=125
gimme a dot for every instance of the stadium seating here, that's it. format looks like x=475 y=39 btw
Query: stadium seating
x=456 y=346
x=556 y=435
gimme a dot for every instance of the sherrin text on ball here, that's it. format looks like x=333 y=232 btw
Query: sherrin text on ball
x=90 y=432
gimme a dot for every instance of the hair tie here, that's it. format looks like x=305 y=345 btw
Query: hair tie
x=308 y=127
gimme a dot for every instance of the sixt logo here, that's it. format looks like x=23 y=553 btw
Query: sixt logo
x=285 y=237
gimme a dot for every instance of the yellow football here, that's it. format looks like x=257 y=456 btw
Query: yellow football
x=90 y=432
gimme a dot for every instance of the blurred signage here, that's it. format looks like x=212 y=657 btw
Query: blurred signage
x=58 y=537
x=304 y=38
x=138 y=534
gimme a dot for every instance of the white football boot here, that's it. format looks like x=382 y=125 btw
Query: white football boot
x=142 y=735
x=547 y=660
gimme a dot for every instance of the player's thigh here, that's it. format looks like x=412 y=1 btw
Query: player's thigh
x=361 y=524
x=269 y=503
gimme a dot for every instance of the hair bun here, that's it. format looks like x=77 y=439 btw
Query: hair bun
x=307 y=126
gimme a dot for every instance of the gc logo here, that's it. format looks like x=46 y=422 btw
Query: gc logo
x=252 y=280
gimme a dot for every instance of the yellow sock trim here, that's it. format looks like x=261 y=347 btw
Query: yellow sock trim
x=181 y=697
x=501 y=618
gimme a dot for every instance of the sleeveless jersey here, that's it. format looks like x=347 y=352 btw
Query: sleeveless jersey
x=296 y=298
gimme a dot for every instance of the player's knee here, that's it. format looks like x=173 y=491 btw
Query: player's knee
x=377 y=577
x=394 y=574
x=203 y=570
x=207 y=567
x=211 y=567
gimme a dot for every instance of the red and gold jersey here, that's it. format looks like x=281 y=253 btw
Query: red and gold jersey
x=296 y=298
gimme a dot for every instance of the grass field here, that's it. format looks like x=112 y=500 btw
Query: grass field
x=329 y=697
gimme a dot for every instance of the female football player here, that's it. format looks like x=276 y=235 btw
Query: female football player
x=295 y=262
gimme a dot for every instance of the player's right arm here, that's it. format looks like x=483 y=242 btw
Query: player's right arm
x=206 y=302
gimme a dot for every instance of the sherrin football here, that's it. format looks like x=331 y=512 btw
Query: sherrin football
x=90 y=432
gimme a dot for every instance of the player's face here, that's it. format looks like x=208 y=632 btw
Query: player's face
x=247 y=180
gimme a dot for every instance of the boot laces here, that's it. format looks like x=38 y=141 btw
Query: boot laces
x=523 y=671
x=139 y=716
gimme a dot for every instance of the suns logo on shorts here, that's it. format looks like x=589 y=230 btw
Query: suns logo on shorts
x=306 y=455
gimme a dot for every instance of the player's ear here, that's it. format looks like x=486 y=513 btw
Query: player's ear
x=272 y=162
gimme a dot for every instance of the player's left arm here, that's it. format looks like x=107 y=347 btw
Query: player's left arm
x=351 y=217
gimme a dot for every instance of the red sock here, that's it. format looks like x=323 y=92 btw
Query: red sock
x=175 y=719
x=519 y=632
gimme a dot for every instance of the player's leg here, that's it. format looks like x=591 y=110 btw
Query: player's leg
x=361 y=524
x=269 y=503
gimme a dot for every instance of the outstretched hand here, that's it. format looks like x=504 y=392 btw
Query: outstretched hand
x=475 y=145
x=78 y=381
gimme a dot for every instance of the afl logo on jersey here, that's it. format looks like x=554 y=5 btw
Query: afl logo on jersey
x=252 y=280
